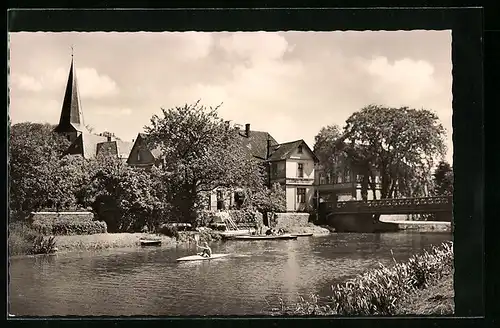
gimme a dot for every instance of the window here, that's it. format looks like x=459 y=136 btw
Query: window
x=301 y=170
x=299 y=150
x=139 y=156
x=347 y=175
x=301 y=195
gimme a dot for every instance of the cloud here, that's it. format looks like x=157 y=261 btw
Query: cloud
x=255 y=46
x=25 y=83
x=403 y=81
x=191 y=45
x=91 y=84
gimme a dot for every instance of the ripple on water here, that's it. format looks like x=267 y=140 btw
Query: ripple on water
x=151 y=282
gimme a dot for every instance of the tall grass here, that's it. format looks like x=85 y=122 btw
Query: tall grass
x=24 y=240
x=380 y=291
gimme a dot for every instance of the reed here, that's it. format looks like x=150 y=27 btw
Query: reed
x=379 y=292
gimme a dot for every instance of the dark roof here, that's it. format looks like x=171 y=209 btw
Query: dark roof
x=156 y=152
x=108 y=148
x=71 y=112
x=89 y=142
x=284 y=151
x=94 y=144
x=256 y=143
x=118 y=148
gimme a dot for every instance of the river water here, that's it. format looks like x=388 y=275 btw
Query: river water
x=149 y=281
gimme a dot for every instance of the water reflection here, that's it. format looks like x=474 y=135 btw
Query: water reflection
x=151 y=282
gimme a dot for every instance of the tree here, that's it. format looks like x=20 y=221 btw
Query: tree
x=34 y=155
x=199 y=152
x=325 y=145
x=400 y=144
x=443 y=179
x=126 y=198
x=267 y=200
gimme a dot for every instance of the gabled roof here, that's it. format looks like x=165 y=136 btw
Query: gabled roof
x=90 y=142
x=118 y=148
x=284 y=151
x=71 y=112
x=156 y=152
x=256 y=143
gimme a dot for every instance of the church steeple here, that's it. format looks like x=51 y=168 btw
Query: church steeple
x=71 y=120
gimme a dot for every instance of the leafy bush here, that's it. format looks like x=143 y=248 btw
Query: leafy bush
x=203 y=218
x=24 y=240
x=379 y=291
x=268 y=200
x=169 y=230
x=43 y=245
x=68 y=227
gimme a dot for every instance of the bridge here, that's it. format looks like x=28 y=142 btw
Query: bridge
x=418 y=205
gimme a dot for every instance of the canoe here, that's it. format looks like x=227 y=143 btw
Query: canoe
x=150 y=242
x=232 y=233
x=278 y=237
x=202 y=258
x=305 y=234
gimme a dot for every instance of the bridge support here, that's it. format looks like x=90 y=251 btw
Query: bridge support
x=359 y=223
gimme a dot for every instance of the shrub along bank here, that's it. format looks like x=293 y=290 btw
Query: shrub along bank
x=64 y=226
x=383 y=291
x=24 y=240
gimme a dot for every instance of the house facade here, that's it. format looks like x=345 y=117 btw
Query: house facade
x=293 y=165
x=343 y=184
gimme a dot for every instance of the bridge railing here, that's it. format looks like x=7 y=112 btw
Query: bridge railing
x=392 y=205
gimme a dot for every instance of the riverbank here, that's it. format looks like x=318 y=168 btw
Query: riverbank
x=421 y=226
x=422 y=285
x=436 y=299
x=101 y=241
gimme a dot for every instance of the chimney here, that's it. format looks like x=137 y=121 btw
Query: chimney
x=109 y=138
x=247 y=130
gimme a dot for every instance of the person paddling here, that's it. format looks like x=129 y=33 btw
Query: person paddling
x=207 y=251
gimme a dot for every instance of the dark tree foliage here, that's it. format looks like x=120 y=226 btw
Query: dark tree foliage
x=200 y=152
x=443 y=179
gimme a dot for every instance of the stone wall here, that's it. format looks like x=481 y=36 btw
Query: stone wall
x=287 y=220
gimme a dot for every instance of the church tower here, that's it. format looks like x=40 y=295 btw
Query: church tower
x=71 y=121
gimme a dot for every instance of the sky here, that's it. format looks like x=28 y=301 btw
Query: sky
x=290 y=84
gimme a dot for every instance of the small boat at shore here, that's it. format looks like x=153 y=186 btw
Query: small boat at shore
x=271 y=237
x=305 y=234
x=150 y=242
x=199 y=257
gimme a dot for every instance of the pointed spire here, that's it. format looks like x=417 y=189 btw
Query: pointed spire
x=71 y=113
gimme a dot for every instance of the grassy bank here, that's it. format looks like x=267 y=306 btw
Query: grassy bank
x=436 y=299
x=106 y=240
x=21 y=240
x=412 y=287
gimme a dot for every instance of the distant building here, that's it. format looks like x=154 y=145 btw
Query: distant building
x=342 y=183
x=72 y=125
x=293 y=167
x=140 y=154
